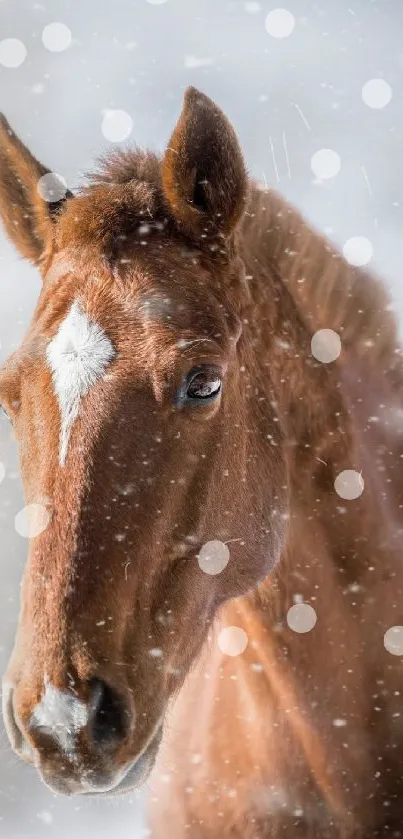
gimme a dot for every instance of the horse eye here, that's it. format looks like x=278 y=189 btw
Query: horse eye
x=205 y=384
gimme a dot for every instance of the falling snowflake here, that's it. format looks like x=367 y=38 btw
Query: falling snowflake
x=192 y=61
x=252 y=7
x=45 y=816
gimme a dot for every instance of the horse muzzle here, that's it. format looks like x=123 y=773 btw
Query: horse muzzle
x=81 y=744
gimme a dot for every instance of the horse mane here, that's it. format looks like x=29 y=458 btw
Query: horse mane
x=327 y=291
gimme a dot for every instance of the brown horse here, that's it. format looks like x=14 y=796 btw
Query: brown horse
x=220 y=489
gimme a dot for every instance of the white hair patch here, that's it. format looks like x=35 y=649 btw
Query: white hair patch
x=78 y=356
x=63 y=714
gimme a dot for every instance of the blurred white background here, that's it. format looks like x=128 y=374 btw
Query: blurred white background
x=288 y=97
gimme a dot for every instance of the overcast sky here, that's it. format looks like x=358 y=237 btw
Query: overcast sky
x=316 y=95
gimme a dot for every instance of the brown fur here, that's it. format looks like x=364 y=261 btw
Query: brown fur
x=250 y=747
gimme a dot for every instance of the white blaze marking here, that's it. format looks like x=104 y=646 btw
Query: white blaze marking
x=78 y=356
x=62 y=713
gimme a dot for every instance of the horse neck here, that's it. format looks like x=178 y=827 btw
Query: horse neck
x=298 y=285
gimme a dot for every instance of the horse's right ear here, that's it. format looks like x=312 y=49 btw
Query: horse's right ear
x=28 y=218
x=203 y=172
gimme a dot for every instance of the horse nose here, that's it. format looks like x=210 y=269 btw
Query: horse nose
x=101 y=720
x=108 y=716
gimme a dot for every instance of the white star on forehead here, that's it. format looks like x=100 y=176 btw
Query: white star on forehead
x=78 y=356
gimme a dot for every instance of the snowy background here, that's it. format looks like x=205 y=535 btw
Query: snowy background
x=299 y=87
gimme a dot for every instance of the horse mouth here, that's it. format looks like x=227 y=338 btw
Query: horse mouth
x=137 y=772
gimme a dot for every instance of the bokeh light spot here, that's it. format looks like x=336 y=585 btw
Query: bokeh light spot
x=116 y=125
x=52 y=187
x=12 y=52
x=376 y=93
x=56 y=37
x=32 y=520
x=326 y=345
x=358 y=250
x=301 y=617
x=393 y=640
x=232 y=640
x=349 y=484
x=213 y=557
x=325 y=164
x=279 y=23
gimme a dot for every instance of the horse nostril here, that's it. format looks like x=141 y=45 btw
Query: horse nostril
x=108 y=720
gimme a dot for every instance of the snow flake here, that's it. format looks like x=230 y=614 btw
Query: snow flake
x=156 y=2
x=376 y=93
x=45 y=816
x=232 y=640
x=358 y=250
x=252 y=7
x=12 y=52
x=325 y=164
x=52 y=187
x=32 y=520
x=56 y=37
x=192 y=61
x=349 y=484
x=213 y=557
x=339 y=723
x=393 y=640
x=279 y=23
x=326 y=345
x=301 y=617
x=116 y=125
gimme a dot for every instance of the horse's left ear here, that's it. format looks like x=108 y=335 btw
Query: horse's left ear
x=26 y=214
x=203 y=171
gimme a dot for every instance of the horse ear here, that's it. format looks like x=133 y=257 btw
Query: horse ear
x=27 y=217
x=203 y=171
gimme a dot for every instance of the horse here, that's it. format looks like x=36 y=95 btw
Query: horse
x=207 y=406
